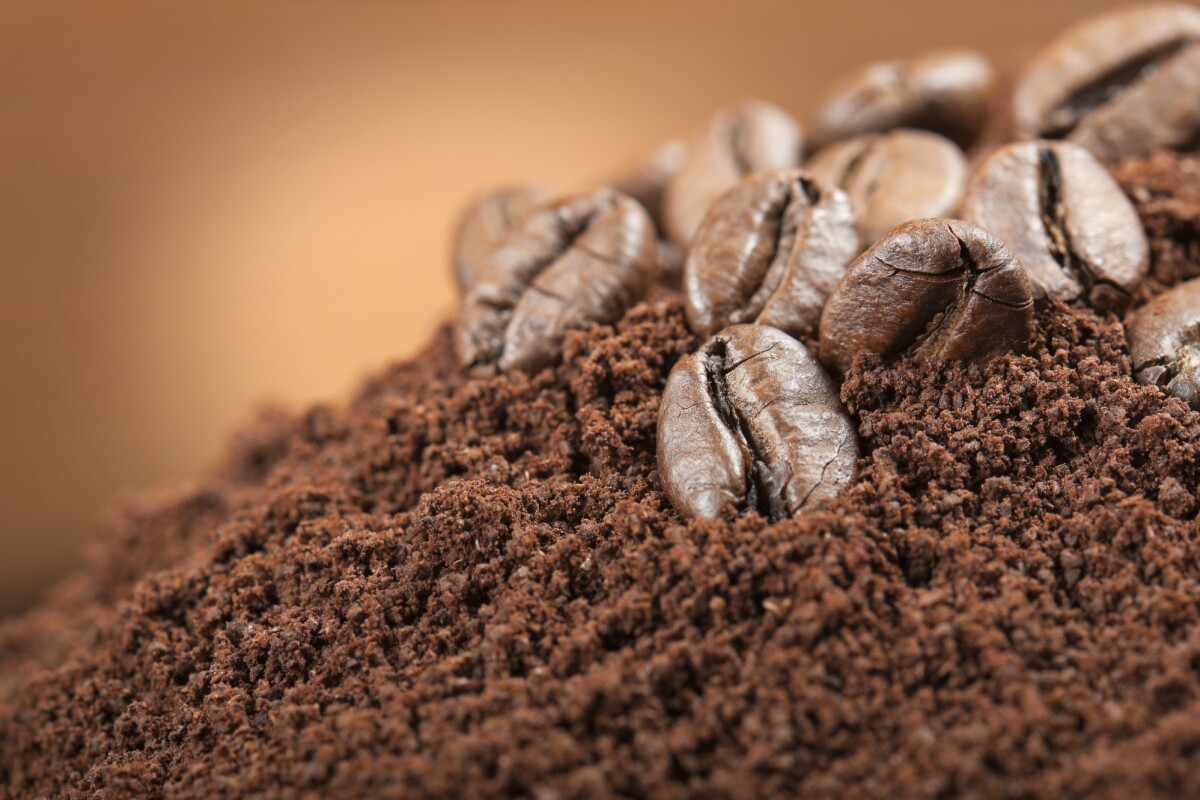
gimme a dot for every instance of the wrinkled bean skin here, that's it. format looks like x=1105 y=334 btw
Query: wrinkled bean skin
x=1066 y=220
x=487 y=220
x=752 y=422
x=737 y=141
x=770 y=251
x=946 y=92
x=646 y=180
x=1164 y=342
x=573 y=263
x=1121 y=84
x=933 y=289
x=894 y=177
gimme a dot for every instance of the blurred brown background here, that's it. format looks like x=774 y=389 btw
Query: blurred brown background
x=202 y=208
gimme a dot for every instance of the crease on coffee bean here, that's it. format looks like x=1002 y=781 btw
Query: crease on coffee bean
x=1054 y=222
x=778 y=261
x=756 y=486
x=1105 y=87
x=934 y=331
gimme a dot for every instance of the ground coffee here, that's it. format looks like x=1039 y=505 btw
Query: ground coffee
x=477 y=588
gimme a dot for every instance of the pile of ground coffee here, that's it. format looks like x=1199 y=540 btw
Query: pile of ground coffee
x=476 y=587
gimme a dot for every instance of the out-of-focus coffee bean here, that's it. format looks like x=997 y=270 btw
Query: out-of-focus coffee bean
x=944 y=91
x=735 y=142
x=770 y=250
x=1121 y=84
x=487 y=219
x=894 y=177
x=1164 y=342
x=933 y=289
x=646 y=180
x=1066 y=220
x=752 y=422
x=568 y=265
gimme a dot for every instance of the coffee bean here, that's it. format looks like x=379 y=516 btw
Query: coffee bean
x=752 y=422
x=945 y=92
x=736 y=141
x=1065 y=219
x=1164 y=342
x=933 y=289
x=568 y=265
x=894 y=177
x=486 y=220
x=770 y=250
x=1122 y=84
x=646 y=180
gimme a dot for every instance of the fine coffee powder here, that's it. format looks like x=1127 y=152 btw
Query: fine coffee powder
x=476 y=587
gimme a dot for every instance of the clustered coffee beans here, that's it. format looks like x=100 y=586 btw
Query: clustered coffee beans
x=769 y=248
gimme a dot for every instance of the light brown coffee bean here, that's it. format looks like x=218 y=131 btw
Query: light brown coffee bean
x=770 y=250
x=1066 y=220
x=944 y=91
x=571 y=264
x=1164 y=342
x=932 y=289
x=752 y=422
x=894 y=177
x=736 y=141
x=1121 y=84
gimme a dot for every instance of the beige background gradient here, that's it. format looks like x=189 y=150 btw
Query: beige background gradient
x=203 y=208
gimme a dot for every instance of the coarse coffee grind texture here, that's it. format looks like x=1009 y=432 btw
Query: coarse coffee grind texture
x=476 y=588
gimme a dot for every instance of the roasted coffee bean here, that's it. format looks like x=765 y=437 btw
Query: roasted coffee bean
x=1065 y=219
x=933 y=289
x=1164 y=342
x=568 y=265
x=737 y=141
x=945 y=92
x=770 y=250
x=486 y=220
x=752 y=422
x=894 y=177
x=1122 y=84
x=647 y=179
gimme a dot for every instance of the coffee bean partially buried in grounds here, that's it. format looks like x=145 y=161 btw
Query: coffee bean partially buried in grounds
x=1122 y=84
x=944 y=91
x=1164 y=342
x=933 y=289
x=752 y=422
x=735 y=142
x=1066 y=220
x=568 y=265
x=894 y=177
x=486 y=220
x=770 y=250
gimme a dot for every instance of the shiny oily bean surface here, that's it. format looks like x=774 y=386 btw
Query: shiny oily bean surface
x=735 y=142
x=945 y=91
x=486 y=221
x=1066 y=220
x=933 y=289
x=752 y=422
x=1121 y=84
x=770 y=250
x=894 y=177
x=1164 y=342
x=568 y=265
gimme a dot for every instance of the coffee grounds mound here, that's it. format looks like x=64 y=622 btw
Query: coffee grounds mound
x=476 y=588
